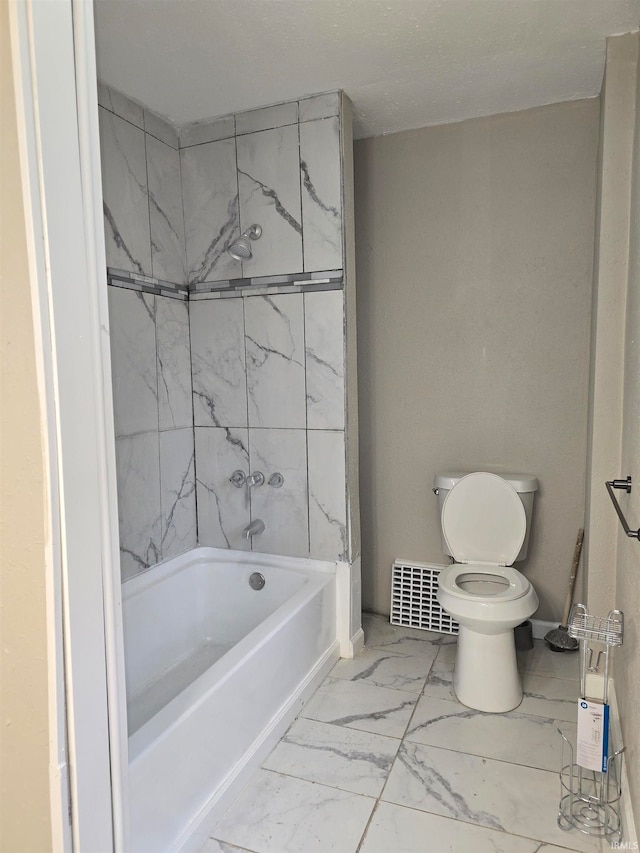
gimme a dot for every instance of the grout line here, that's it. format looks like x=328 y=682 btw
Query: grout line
x=483 y=758
x=320 y=784
x=480 y=826
x=306 y=403
x=193 y=424
x=368 y=824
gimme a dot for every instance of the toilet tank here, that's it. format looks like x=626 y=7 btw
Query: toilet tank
x=524 y=484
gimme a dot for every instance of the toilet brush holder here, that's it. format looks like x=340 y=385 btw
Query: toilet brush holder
x=523 y=636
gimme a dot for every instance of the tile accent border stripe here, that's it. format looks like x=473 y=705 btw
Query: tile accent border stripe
x=232 y=288
x=272 y=290
x=146 y=284
x=286 y=283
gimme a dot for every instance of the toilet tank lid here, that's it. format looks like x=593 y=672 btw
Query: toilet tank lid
x=520 y=482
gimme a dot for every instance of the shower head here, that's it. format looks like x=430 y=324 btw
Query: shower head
x=240 y=249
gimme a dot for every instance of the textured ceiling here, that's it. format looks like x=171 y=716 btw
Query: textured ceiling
x=404 y=63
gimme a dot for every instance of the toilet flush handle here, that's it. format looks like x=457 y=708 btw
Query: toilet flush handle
x=436 y=491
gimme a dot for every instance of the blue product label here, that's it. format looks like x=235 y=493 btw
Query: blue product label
x=605 y=739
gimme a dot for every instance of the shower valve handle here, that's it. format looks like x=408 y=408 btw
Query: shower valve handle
x=238 y=478
x=255 y=479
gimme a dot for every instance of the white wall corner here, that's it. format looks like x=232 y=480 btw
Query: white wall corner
x=348 y=609
x=629 y=829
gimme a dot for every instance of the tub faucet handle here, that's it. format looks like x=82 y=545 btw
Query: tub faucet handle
x=238 y=478
x=255 y=479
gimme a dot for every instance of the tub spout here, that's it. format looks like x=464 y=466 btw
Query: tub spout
x=256 y=526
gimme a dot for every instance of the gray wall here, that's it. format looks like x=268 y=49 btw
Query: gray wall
x=474 y=255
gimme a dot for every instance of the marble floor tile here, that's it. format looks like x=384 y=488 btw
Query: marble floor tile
x=439 y=684
x=550 y=697
x=542 y=661
x=554 y=698
x=336 y=756
x=212 y=845
x=387 y=669
x=447 y=655
x=515 y=737
x=379 y=633
x=553 y=848
x=280 y=814
x=361 y=706
x=457 y=779
x=495 y=794
x=395 y=828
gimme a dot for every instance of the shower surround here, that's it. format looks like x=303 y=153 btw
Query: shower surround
x=220 y=364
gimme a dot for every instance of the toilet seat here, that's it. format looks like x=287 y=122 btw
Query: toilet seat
x=483 y=520
x=514 y=585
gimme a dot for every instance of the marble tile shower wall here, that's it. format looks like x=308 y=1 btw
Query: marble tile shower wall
x=278 y=167
x=260 y=376
x=268 y=389
x=155 y=456
x=142 y=195
x=150 y=350
x=268 y=368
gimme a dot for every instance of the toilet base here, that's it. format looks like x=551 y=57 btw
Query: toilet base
x=486 y=671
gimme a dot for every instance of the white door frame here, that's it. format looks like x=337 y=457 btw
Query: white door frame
x=56 y=95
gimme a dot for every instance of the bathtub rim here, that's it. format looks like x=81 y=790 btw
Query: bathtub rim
x=319 y=573
x=160 y=571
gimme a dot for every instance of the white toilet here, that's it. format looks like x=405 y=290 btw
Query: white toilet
x=484 y=525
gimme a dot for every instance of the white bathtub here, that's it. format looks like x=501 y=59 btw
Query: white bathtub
x=216 y=671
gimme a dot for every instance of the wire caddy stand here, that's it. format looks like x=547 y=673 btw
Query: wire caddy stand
x=589 y=799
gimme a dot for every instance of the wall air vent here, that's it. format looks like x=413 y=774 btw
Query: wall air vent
x=413 y=598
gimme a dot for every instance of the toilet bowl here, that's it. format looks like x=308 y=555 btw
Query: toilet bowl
x=484 y=525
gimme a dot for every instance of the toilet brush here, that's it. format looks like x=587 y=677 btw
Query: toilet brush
x=558 y=639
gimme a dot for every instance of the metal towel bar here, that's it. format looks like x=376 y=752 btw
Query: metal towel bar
x=626 y=485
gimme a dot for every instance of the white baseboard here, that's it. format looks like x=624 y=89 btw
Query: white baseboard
x=197 y=832
x=356 y=643
x=541 y=629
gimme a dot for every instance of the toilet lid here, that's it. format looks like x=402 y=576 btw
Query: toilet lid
x=483 y=520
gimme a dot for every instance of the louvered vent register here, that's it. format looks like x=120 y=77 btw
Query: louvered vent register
x=413 y=598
